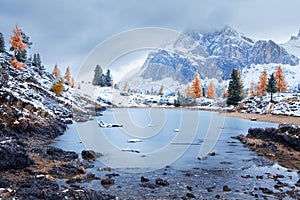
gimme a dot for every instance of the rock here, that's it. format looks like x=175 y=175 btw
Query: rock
x=14 y=155
x=107 y=181
x=247 y=176
x=4 y=182
x=87 y=164
x=190 y=195
x=189 y=188
x=259 y=177
x=90 y=155
x=217 y=196
x=161 y=182
x=226 y=188
x=65 y=170
x=149 y=185
x=266 y=190
x=143 y=179
x=59 y=154
x=212 y=154
x=112 y=175
x=298 y=183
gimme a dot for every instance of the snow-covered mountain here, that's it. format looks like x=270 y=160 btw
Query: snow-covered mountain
x=214 y=55
x=293 y=45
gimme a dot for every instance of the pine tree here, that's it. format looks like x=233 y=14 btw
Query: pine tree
x=109 y=81
x=2 y=43
x=251 y=89
x=281 y=83
x=68 y=76
x=211 y=91
x=271 y=86
x=36 y=61
x=97 y=75
x=234 y=89
x=197 y=87
x=57 y=87
x=56 y=72
x=261 y=89
x=102 y=80
x=160 y=93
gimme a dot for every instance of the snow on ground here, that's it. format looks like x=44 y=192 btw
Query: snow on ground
x=252 y=73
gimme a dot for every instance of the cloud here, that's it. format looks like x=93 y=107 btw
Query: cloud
x=65 y=31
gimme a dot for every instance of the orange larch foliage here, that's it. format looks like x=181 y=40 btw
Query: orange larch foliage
x=251 y=90
x=211 y=91
x=58 y=87
x=188 y=91
x=68 y=75
x=279 y=77
x=261 y=89
x=56 y=72
x=17 y=64
x=16 y=41
x=197 y=87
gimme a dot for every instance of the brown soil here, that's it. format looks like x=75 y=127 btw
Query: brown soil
x=265 y=118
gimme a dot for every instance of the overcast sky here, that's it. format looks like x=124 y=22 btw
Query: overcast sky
x=65 y=31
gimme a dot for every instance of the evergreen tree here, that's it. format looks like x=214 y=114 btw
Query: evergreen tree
x=271 y=86
x=234 y=89
x=261 y=89
x=281 y=83
x=97 y=75
x=20 y=42
x=197 y=87
x=109 y=80
x=102 y=80
x=36 y=61
x=2 y=43
x=211 y=91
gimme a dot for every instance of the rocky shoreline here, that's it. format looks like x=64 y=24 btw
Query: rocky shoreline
x=280 y=144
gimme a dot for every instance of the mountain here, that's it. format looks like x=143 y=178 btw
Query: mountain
x=293 y=45
x=213 y=54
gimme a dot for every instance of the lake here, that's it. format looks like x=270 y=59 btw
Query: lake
x=174 y=142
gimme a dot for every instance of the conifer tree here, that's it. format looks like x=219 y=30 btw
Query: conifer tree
x=211 y=91
x=56 y=72
x=281 y=83
x=36 y=61
x=234 y=89
x=251 y=89
x=19 y=48
x=160 y=92
x=261 y=89
x=109 y=80
x=271 y=86
x=197 y=87
x=72 y=82
x=2 y=43
x=68 y=76
x=102 y=80
x=97 y=75
x=241 y=83
x=188 y=91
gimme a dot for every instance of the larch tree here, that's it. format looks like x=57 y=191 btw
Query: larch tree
x=68 y=76
x=56 y=72
x=72 y=82
x=271 y=86
x=211 y=91
x=234 y=89
x=280 y=79
x=161 y=91
x=261 y=89
x=2 y=43
x=57 y=87
x=188 y=91
x=251 y=89
x=197 y=87
x=19 y=48
x=241 y=83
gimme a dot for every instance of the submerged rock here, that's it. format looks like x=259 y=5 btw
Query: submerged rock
x=90 y=155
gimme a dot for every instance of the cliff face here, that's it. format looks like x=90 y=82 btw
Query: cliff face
x=213 y=54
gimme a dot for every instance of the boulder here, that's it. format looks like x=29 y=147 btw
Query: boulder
x=90 y=155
